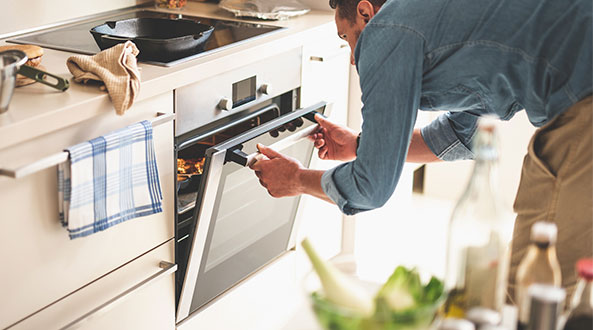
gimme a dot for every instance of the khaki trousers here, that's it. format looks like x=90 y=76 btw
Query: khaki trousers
x=557 y=185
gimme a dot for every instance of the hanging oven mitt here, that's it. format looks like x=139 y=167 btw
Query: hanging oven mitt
x=116 y=67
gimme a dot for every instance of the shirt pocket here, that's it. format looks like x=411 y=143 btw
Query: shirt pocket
x=458 y=98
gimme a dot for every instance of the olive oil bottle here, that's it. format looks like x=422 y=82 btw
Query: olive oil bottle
x=480 y=231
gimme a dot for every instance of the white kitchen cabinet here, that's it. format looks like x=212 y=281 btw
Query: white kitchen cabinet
x=139 y=295
x=42 y=265
x=325 y=77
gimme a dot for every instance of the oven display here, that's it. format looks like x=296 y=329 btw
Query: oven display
x=243 y=91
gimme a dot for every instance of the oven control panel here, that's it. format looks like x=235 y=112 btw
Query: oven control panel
x=217 y=97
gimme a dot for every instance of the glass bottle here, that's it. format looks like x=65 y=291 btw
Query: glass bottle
x=540 y=265
x=581 y=306
x=480 y=231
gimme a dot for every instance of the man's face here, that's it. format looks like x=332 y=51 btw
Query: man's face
x=349 y=31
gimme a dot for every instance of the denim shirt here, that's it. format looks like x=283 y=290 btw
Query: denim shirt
x=467 y=58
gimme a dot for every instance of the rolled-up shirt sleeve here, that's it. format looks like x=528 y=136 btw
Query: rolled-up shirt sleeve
x=449 y=136
x=391 y=79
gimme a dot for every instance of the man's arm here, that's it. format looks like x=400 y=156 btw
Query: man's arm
x=418 y=151
x=311 y=184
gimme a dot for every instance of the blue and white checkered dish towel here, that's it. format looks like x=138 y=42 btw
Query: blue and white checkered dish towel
x=108 y=180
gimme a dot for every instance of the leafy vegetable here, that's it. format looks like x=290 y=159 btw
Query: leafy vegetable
x=403 y=302
x=338 y=288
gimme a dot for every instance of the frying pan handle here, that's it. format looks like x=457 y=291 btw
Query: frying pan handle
x=41 y=76
x=114 y=38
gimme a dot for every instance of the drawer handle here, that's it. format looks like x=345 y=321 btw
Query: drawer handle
x=329 y=57
x=166 y=269
x=61 y=157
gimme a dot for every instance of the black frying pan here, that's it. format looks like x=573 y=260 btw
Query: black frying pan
x=158 y=39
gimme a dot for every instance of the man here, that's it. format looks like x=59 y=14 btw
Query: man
x=470 y=58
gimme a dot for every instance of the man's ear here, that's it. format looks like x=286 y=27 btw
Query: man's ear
x=364 y=12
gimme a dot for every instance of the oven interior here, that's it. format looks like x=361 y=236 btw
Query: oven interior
x=191 y=153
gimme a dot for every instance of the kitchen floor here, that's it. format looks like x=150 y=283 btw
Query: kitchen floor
x=406 y=231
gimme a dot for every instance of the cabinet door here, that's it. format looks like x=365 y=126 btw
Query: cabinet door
x=42 y=263
x=325 y=77
x=139 y=295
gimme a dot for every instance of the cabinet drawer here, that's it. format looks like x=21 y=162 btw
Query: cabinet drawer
x=139 y=295
x=45 y=265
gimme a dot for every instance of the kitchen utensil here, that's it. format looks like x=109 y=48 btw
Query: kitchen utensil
x=42 y=77
x=158 y=39
x=189 y=183
x=10 y=62
x=265 y=9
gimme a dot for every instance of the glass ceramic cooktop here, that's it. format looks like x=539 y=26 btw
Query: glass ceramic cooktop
x=77 y=38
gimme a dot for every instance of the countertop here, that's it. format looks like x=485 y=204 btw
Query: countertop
x=36 y=110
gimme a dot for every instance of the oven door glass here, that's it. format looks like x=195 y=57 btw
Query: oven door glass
x=239 y=226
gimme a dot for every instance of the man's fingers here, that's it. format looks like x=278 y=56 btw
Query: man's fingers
x=323 y=122
x=268 y=152
x=256 y=166
x=322 y=153
x=319 y=143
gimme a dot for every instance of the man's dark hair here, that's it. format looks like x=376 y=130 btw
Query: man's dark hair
x=347 y=8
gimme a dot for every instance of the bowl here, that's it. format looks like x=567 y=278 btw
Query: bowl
x=335 y=317
x=10 y=63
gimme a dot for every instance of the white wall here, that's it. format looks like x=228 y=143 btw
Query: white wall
x=317 y=4
x=20 y=15
x=447 y=180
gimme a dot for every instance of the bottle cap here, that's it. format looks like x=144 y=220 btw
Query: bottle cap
x=544 y=232
x=488 y=122
x=546 y=293
x=492 y=327
x=585 y=268
x=451 y=323
x=482 y=316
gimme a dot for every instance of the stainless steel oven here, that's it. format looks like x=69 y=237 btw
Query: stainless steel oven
x=227 y=225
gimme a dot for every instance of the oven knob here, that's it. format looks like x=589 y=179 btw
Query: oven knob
x=265 y=89
x=225 y=104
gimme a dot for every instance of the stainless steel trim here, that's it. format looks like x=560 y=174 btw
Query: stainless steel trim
x=61 y=157
x=166 y=269
x=201 y=234
x=284 y=143
x=292 y=239
x=197 y=104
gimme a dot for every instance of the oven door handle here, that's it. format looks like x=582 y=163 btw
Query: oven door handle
x=282 y=144
x=233 y=147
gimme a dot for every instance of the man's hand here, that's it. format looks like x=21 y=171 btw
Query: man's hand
x=277 y=173
x=334 y=142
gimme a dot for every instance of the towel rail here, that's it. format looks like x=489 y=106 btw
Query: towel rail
x=61 y=157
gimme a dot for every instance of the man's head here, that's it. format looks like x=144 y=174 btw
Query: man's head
x=352 y=16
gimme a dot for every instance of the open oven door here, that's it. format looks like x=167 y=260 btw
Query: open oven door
x=239 y=227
